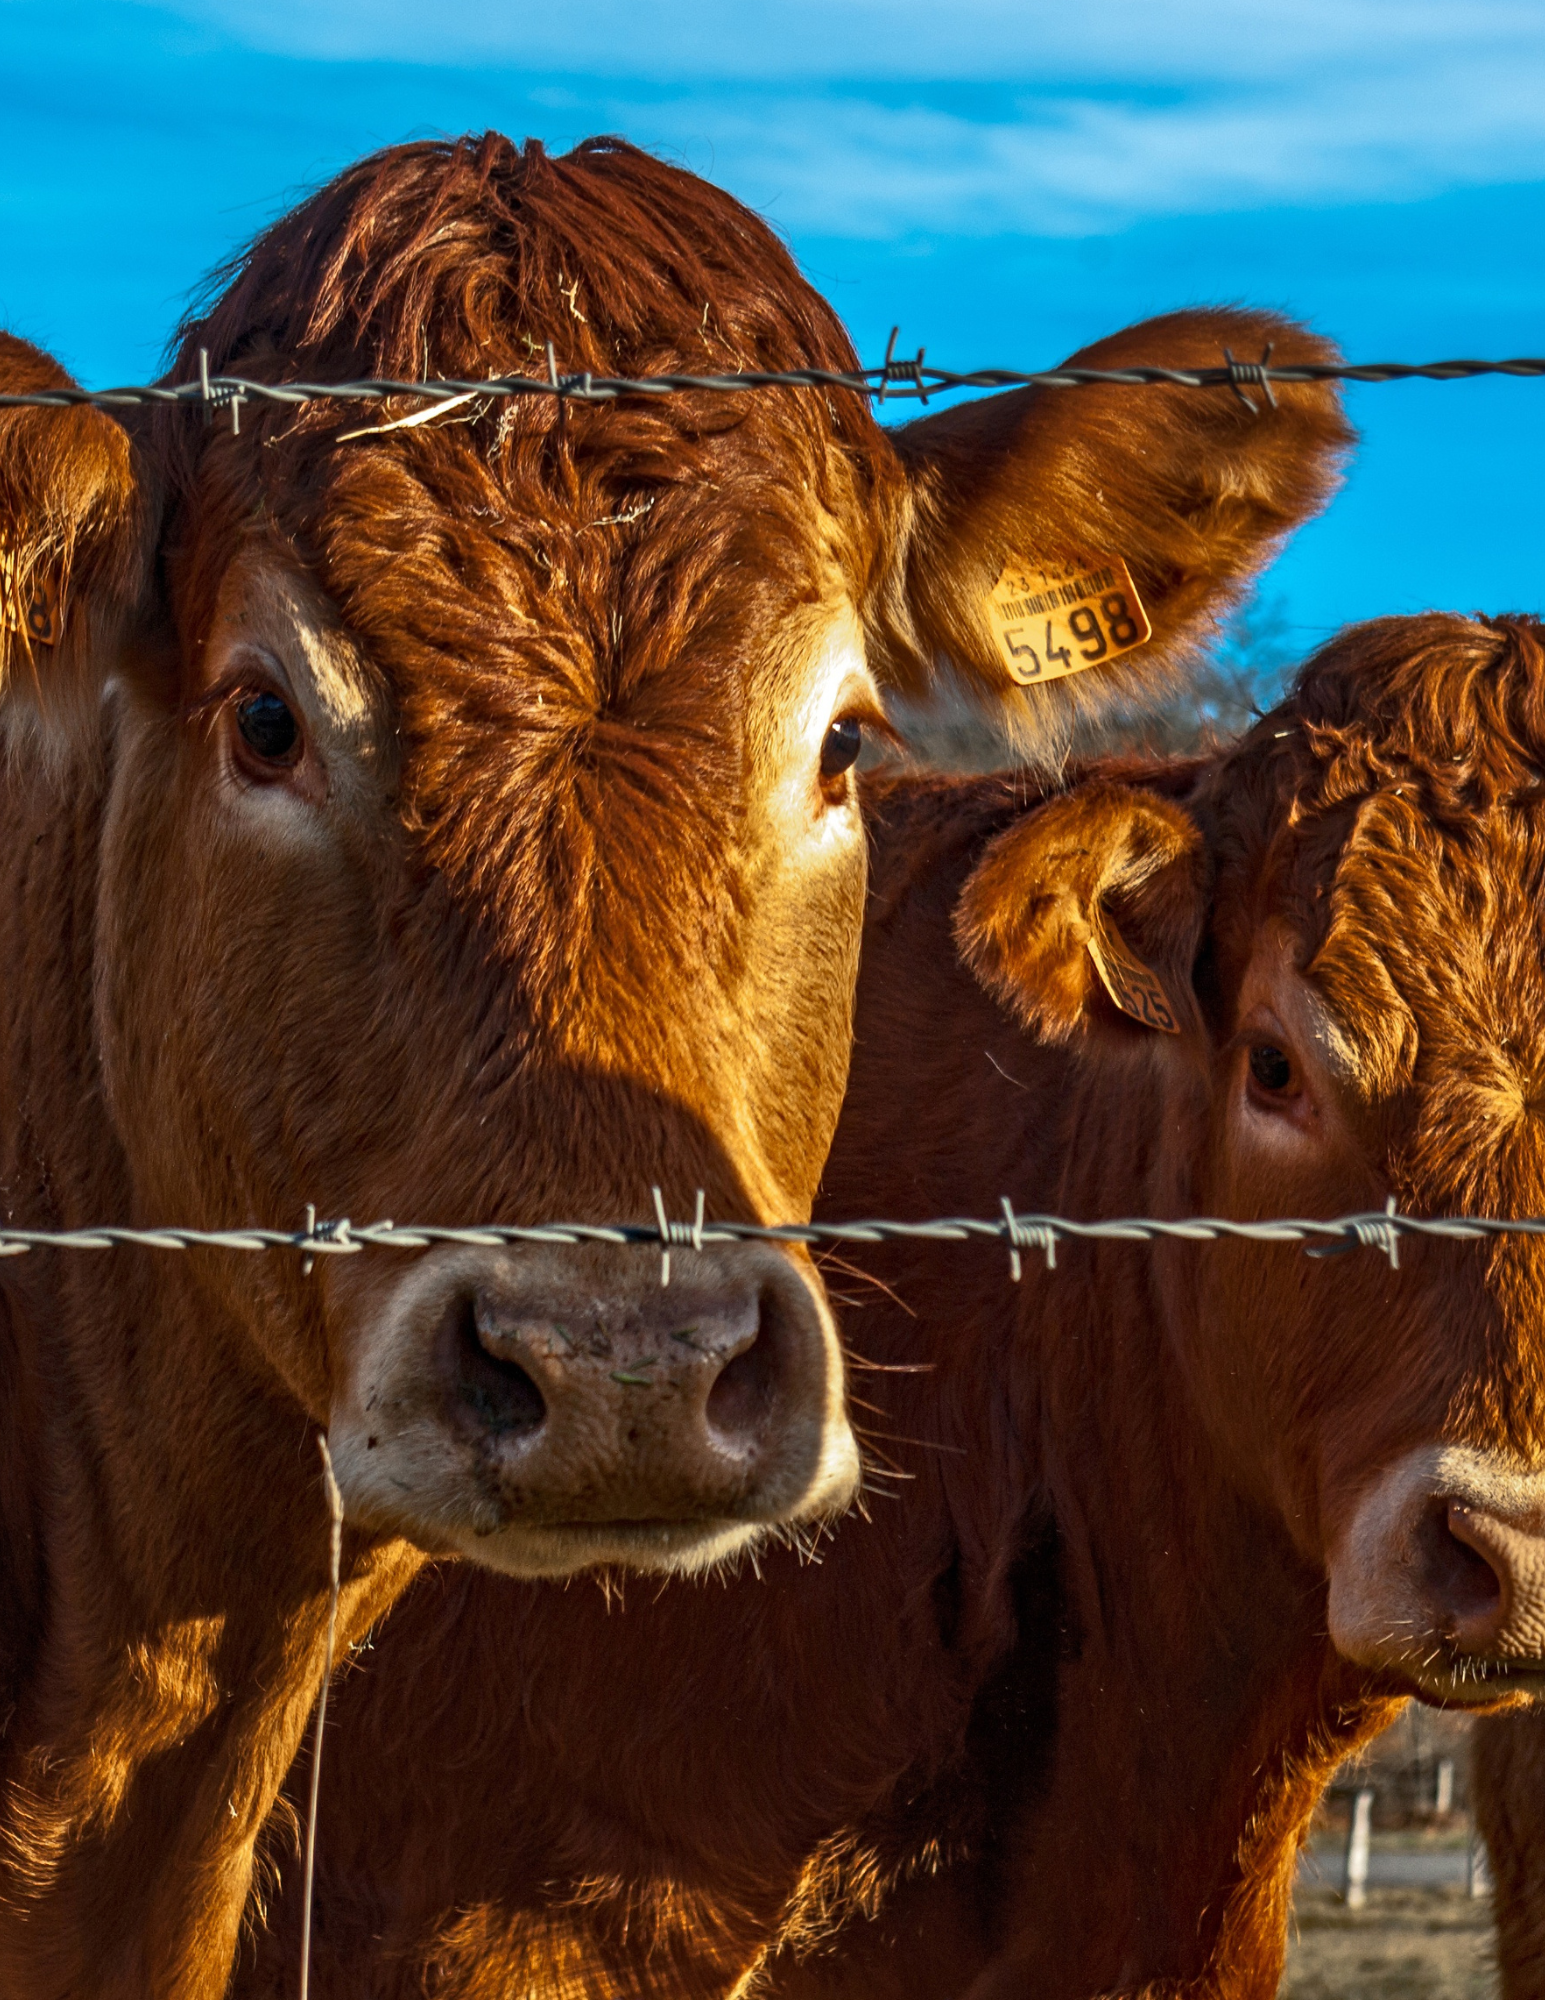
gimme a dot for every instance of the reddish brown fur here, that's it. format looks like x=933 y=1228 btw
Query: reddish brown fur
x=552 y=946
x=1054 y=1720
x=1507 y=1791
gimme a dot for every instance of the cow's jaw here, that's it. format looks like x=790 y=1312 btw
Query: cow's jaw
x=1439 y=1577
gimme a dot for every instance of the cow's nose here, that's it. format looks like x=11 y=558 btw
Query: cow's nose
x=508 y=1403
x=1438 y=1574
x=666 y=1396
x=1488 y=1575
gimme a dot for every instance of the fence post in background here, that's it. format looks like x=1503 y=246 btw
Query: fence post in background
x=1480 y=1868
x=1443 y=1794
x=1355 y=1883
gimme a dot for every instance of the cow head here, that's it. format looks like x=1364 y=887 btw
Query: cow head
x=1344 y=918
x=480 y=838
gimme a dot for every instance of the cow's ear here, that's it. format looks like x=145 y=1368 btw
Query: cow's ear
x=1087 y=913
x=74 y=541
x=1019 y=500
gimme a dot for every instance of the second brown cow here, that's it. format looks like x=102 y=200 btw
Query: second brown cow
x=1156 y=1537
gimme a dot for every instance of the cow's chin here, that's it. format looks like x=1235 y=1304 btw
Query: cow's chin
x=1433 y=1672
x=435 y=1498
x=1481 y=1684
x=662 y=1548
x=1438 y=1581
x=486 y=1530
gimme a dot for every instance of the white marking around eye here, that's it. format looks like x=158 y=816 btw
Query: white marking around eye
x=282 y=614
x=840 y=673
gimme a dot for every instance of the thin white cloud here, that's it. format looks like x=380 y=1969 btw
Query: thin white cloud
x=1130 y=40
x=848 y=165
x=857 y=117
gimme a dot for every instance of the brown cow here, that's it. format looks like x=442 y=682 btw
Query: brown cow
x=1181 y=1525
x=454 y=821
x=1507 y=1789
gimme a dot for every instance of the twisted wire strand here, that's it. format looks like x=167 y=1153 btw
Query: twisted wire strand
x=1382 y=1230
x=891 y=380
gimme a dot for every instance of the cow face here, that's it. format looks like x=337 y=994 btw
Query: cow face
x=480 y=838
x=1357 y=890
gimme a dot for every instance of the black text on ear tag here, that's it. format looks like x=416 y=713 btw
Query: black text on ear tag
x=1132 y=986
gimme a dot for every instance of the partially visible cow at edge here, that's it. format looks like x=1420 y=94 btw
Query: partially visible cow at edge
x=1507 y=1791
x=455 y=821
x=1178 y=1527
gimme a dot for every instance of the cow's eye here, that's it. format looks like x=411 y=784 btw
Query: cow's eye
x=839 y=752
x=1271 y=1068
x=267 y=727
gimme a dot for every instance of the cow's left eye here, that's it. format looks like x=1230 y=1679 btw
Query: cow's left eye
x=839 y=752
x=267 y=727
x=1271 y=1069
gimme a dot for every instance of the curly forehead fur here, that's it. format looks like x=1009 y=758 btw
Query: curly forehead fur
x=560 y=603
x=1409 y=865
x=466 y=260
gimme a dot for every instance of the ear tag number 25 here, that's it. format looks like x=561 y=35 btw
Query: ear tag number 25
x=1056 y=621
x=1134 y=987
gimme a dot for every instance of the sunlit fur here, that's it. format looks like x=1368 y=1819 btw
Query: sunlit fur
x=1052 y=1716
x=544 y=913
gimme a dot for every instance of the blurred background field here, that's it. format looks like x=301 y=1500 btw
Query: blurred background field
x=1425 y=1930
x=1407 y=1944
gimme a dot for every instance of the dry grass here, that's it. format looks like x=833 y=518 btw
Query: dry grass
x=1406 y=1944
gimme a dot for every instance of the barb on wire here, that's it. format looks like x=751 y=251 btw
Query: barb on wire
x=1372 y=1232
x=1026 y=1236
x=689 y=1234
x=892 y=379
x=1321 y=1236
x=1241 y=372
x=891 y=370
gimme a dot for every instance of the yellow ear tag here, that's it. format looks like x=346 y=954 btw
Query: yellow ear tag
x=1131 y=985
x=37 y=615
x=1056 y=621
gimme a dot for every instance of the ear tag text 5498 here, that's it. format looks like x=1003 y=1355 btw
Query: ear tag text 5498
x=1062 y=619
x=36 y=613
x=1132 y=986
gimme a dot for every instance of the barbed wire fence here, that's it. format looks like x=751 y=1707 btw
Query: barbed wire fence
x=1379 y=1229
x=890 y=379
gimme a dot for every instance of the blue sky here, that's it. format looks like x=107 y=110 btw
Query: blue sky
x=1005 y=180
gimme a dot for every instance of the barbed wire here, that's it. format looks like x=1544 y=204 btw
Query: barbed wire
x=1380 y=1230
x=890 y=379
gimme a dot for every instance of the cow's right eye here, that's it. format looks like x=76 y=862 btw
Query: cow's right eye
x=844 y=741
x=268 y=728
x=1271 y=1068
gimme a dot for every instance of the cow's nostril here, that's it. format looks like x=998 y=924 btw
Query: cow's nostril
x=741 y=1399
x=495 y=1392
x=1459 y=1577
